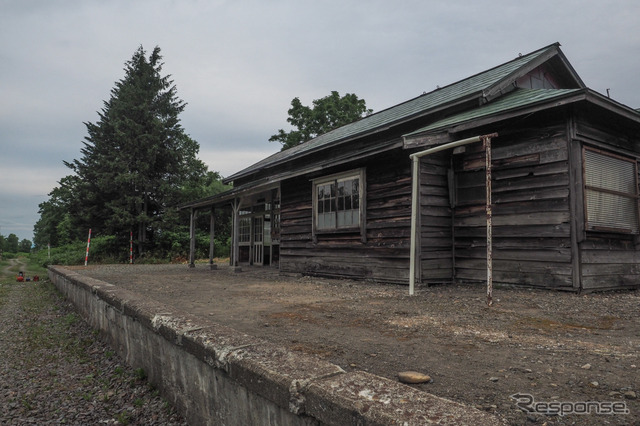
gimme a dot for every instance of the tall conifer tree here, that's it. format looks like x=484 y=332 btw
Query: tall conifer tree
x=137 y=157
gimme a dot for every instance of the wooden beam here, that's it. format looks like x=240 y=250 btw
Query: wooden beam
x=234 y=241
x=212 y=234
x=192 y=239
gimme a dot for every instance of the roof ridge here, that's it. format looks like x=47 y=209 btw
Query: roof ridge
x=461 y=90
x=519 y=57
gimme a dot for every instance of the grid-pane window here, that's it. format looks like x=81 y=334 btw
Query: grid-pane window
x=338 y=201
x=244 y=230
x=611 y=192
x=348 y=198
x=326 y=207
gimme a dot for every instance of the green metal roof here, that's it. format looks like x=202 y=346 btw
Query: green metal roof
x=519 y=98
x=466 y=89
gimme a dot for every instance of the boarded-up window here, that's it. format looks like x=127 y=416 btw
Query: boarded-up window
x=611 y=192
x=337 y=201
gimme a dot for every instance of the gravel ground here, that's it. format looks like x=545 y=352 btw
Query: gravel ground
x=545 y=346
x=54 y=369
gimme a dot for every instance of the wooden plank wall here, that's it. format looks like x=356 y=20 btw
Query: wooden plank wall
x=384 y=256
x=436 y=249
x=531 y=228
x=608 y=260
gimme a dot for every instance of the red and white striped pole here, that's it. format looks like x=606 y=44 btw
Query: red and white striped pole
x=86 y=258
x=131 y=247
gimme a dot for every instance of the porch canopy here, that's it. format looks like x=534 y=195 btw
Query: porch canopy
x=241 y=197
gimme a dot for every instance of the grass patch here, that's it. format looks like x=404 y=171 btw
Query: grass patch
x=49 y=334
x=124 y=418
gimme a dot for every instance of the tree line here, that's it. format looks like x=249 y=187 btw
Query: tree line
x=137 y=164
x=12 y=244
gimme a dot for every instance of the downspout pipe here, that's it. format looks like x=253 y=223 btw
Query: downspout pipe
x=415 y=196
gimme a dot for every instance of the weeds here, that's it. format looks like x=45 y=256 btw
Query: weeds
x=124 y=418
x=140 y=373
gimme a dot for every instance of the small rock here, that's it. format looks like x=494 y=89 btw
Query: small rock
x=586 y=367
x=614 y=393
x=493 y=379
x=413 y=377
x=594 y=384
x=630 y=395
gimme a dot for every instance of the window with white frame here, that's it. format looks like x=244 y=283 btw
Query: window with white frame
x=338 y=201
x=611 y=192
x=244 y=230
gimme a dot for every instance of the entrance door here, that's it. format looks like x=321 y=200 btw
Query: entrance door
x=258 y=240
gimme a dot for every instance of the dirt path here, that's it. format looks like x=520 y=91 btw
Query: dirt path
x=11 y=269
x=552 y=347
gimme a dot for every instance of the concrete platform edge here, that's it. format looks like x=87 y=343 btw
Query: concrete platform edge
x=216 y=375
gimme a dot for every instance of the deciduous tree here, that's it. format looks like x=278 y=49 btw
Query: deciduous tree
x=325 y=115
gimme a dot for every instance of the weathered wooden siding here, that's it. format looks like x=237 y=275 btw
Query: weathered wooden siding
x=383 y=257
x=607 y=260
x=436 y=246
x=531 y=215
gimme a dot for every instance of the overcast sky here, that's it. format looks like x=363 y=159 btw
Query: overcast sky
x=238 y=64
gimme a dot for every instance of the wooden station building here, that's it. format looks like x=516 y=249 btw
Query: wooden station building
x=559 y=198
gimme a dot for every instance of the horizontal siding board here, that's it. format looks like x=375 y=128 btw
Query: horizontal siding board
x=548 y=255
x=559 y=230
x=523 y=266
x=540 y=218
x=609 y=256
x=529 y=279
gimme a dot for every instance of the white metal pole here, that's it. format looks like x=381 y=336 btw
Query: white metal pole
x=415 y=195
x=415 y=169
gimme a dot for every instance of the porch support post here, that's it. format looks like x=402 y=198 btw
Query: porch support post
x=192 y=239
x=236 y=220
x=212 y=234
x=415 y=197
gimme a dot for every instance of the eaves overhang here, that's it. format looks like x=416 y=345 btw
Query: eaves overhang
x=518 y=103
x=224 y=198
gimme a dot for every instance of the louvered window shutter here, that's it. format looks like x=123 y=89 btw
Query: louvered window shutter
x=611 y=192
